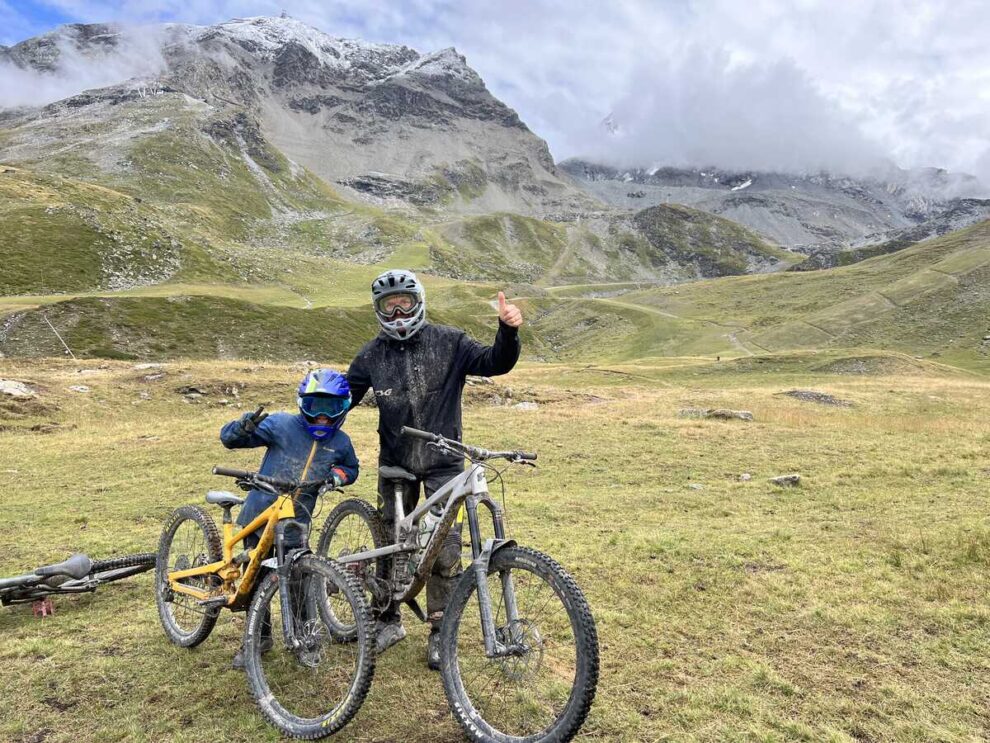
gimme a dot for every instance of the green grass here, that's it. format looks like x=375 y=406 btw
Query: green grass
x=852 y=608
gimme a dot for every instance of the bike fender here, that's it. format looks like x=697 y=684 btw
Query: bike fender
x=489 y=548
x=294 y=556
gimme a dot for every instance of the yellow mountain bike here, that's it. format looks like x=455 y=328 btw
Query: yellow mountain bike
x=311 y=683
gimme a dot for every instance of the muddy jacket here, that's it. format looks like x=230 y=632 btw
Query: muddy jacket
x=418 y=383
x=289 y=445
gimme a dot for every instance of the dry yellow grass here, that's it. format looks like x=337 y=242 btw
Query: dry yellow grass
x=852 y=608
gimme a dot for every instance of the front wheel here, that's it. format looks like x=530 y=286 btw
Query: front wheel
x=543 y=689
x=310 y=685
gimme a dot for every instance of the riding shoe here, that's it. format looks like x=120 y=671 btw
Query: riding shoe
x=433 y=651
x=238 y=663
x=387 y=634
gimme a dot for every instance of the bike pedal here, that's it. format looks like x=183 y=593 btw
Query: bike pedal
x=43 y=608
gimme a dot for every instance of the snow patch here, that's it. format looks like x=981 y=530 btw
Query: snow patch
x=265 y=37
x=741 y=186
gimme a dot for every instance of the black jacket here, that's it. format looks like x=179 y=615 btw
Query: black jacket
x=418 y=383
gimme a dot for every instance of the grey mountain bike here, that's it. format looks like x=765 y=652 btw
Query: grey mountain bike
x=78 y=574
x=522 y=665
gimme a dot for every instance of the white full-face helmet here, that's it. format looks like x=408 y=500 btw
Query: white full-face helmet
x=400 y=303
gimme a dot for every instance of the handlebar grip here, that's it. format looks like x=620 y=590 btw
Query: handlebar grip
x=228 y=472
x=417 y=434
x=526 y=455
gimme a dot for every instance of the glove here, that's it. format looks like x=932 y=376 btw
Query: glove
x=337 y=480
x=251 y=421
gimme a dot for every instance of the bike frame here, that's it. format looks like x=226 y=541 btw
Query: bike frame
x=281 y=512
x=470 y=489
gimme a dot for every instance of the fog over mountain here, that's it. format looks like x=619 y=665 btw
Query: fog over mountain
x=763 y=86
x=702 y=110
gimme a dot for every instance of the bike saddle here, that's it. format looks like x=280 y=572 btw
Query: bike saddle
x=76 y=566
x=223 y=499
x=396 y=473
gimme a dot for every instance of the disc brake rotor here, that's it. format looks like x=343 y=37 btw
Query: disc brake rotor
x=526 y=661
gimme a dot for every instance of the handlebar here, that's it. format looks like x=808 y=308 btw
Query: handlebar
x=280 y=485
x=472 y=452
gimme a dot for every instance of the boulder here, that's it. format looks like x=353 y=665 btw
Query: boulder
x=787 y=481
x=822 y=398
x=726 y=414
x=79 y=388
x=716 y=413
x=16 y=389
x=526 y=406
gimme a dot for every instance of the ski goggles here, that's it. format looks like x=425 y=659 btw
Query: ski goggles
x=392 y=304
x=313 y=406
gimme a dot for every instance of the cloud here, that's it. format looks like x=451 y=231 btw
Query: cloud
x=704 y=109
x=766 y=82
x=132 y=52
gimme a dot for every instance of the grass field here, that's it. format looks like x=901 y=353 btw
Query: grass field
x=852 y=608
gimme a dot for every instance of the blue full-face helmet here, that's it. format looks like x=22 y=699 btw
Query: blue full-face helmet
x=324 y=392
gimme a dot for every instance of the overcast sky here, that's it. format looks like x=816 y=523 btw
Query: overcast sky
x=795 y=85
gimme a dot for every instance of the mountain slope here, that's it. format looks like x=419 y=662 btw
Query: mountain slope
x=819 y=214
x=932 y=299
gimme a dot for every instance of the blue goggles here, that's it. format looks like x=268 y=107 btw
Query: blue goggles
x=332 y=407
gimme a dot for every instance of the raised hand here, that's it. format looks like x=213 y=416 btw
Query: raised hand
x=251 y=421
x=508 y=313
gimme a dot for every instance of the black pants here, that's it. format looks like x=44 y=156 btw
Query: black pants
x=447 y=567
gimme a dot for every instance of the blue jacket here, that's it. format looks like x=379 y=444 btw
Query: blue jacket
x=289 y=445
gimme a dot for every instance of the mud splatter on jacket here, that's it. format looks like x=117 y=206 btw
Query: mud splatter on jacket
x=288 y=445
x=418 y=383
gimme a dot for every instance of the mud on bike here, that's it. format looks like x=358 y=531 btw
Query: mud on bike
x=518 y=664
x=307 y=680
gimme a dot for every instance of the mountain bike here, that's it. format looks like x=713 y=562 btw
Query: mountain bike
x=78 y=574
x=310 y=684
x=523 y=665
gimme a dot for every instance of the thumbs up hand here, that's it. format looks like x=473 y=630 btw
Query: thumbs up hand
x=508 y=313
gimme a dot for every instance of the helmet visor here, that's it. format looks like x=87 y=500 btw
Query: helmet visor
x=316 y=405
x=399 y=303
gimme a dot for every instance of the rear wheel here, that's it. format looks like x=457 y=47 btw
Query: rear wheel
x=107 y=571
x=190 y=539
x=313 y=689
x=543 y=689
x=353 y=526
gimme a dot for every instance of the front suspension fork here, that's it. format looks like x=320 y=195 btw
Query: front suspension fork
x=482 y=555
x=284 y=562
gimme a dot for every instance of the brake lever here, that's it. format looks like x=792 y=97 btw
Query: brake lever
x=326 y=487
x=245 y=485
x=519 y=460
x=440 y=447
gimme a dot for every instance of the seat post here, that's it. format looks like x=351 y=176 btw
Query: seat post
x=400 y=512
